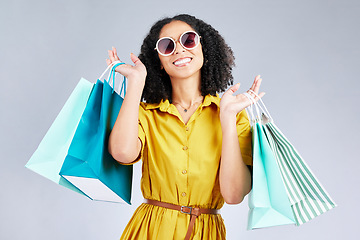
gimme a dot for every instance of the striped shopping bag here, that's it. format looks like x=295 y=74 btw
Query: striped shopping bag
x=307 y=196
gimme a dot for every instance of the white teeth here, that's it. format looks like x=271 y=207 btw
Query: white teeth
x=182 y=61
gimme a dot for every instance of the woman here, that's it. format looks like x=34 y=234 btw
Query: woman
x=196 y=148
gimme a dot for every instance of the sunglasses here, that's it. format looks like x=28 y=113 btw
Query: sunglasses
x=188 y=40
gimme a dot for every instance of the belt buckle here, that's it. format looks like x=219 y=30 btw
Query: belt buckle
x=182 y=207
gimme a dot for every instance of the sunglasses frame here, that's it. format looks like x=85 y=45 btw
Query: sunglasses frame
x=165 y=55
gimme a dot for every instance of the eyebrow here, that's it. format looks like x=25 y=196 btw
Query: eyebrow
x=170 y=37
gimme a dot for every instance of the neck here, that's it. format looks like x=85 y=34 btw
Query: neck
x=186 y=91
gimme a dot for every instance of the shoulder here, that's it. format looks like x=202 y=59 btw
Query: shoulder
x=151 y=109
x=210 y=99
x=151 y=106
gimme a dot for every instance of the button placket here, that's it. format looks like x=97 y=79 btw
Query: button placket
x=184 y=169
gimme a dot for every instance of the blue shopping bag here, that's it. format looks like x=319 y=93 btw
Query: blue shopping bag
x=88 y=165
x=52 y=150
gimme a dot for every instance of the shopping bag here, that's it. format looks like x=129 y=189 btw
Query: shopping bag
x=268 y=201
x=88 y=165
x=307 y=196
x=52 y=150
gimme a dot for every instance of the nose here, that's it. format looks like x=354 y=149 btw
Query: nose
x=179 y=48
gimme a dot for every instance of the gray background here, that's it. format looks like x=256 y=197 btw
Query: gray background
x=306 y=51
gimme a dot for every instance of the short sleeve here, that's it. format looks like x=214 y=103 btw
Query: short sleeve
x=141 y=135
x=245 y=137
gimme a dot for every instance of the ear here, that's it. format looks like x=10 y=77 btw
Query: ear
x=161 y=66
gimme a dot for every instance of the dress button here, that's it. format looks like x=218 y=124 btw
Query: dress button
x=183 y=194
x=187 y=129
x=185 y=148
x=184 y=172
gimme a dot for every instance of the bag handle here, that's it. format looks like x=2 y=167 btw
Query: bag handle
x=266 y=111
x=112 y=74
x=250 y=108
x=257 y=116
x=110 y=66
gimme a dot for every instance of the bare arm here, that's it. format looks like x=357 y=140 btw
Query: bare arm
x=124 y=144
x=235 y=178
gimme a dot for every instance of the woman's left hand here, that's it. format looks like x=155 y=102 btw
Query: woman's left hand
x=230 y=104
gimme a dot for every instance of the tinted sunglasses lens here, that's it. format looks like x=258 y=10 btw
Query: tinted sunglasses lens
x=189 y=40
x=166 y=46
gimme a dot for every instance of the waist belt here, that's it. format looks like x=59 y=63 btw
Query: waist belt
x=193 y=211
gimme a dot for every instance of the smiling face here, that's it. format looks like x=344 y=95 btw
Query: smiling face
x=182 y=63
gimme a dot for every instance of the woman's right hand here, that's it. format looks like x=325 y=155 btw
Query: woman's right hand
x=136 y=74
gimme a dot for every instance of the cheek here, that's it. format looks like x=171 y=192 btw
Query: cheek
x=165 y=65
x=200 y=57
x=163 y=61
x=200 y=54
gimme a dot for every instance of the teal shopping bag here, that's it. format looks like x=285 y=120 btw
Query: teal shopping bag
x=88 y=165
x=52 y=150
x=268 y=202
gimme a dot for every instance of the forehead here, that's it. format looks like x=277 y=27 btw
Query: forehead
x=174 y=29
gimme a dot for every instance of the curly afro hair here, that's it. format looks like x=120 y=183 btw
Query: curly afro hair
x=216 y=73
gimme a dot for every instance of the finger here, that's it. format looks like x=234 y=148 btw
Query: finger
x=261 y=94
x=135 y=59
x=233 y=89
x=115 y=53
x=111 y=56
x=108 y=62
x=254 y=83
x=257 y=85
x=257 y=98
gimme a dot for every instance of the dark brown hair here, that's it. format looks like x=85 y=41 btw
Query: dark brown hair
x=216 y=73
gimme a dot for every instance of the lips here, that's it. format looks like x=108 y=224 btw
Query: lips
x=182 y=61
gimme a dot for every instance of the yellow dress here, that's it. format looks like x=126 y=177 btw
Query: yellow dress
x=180 y=166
